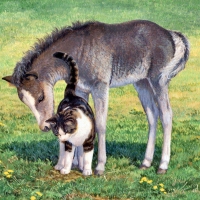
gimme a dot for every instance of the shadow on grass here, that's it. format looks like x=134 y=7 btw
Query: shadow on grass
x=133 y=151
x=34 y=150
x=48 y=151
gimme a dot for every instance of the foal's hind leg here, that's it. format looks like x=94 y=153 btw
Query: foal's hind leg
x=146 y=96
x=165 y=113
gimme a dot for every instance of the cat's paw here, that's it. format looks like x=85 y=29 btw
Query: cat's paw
x=87 y=172
x=58 y=167
x=64 y=171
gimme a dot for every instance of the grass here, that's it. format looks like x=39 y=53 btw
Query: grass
x=31 y=154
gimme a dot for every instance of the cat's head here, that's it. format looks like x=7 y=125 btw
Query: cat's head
x=62 y=124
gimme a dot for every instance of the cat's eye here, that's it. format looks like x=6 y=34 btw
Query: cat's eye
x=53 y=124
x=41 y=98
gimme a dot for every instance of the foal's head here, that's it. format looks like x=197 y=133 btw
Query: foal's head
x=37 y=95
x=37 y=72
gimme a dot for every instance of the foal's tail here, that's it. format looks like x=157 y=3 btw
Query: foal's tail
x=177 y=63
x=73 y=76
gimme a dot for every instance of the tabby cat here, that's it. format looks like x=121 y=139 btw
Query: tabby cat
x=74 y=123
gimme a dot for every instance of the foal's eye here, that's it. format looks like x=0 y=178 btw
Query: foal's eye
x=41 y=98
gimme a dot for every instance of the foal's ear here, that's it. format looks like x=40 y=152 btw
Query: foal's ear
x=31 y=75
x=9 y=80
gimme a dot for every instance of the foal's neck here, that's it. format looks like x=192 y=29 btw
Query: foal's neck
x=55 y=74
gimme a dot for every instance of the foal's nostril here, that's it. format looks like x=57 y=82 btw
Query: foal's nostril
x=46 y=129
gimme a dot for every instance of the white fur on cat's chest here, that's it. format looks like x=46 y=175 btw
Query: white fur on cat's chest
x=84 y=126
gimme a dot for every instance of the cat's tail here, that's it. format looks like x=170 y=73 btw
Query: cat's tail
x=73 y=77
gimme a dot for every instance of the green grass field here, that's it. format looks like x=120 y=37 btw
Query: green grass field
x=27 y=155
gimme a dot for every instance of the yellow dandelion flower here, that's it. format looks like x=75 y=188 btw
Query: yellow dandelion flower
x=162 y=189
x=155 y=187
x=161 y=185
x=33 y=198
x=149 y=181
x=144 y=178
x=39 y=194
x=1 y=124
x=165 y=192
x=8 y=176
x=141 y=181
x=6 y=173
x=10 y=171
x=0 y=162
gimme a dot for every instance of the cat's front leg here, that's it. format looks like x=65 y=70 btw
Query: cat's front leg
x=68 y=161
x=87 y=162
x=62 y=155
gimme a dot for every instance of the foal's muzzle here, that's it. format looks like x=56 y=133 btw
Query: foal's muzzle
x=56 y=134
x=46 y=129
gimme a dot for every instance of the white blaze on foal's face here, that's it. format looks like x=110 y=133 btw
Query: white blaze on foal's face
x=40 y=101
x=30 y=102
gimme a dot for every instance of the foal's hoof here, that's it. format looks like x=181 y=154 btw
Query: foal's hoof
x=99 y=172
x=161 y=171
x=143 y=167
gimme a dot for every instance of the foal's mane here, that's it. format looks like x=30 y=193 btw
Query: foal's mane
x=23 y=66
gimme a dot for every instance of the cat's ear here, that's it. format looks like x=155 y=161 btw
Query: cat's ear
x=52 y=120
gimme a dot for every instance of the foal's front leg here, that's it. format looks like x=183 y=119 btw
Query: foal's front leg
x=100 y=97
